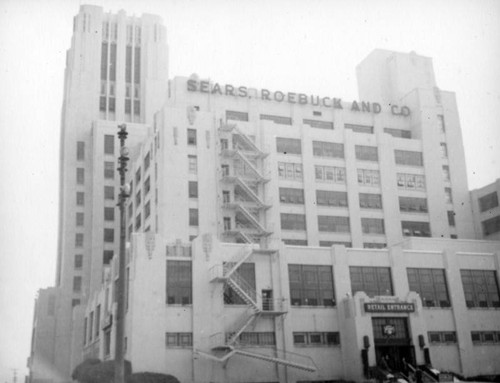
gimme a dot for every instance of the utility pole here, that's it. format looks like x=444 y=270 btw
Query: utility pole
x=120 y=286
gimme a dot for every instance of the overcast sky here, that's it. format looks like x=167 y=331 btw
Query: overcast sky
x=299 y=46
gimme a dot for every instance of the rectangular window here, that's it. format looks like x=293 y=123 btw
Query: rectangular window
x=480 y=288
x=451 y=218
x=330 y=174
x=191 y=136
x=408 y=158
x=147 y=210
x=109 y=192
x=399 y=133
x=370 y=201
x=109 y=170
x=410 y=181
x=109 y=213
x=318 y=124
x=431 y=285
x=374 y=245
x=179 y=282
x=77 y=284
x=138 y=198
x=440 y=123
x=295 y=242
x=277 y=119
x=448 y=196
x=246 y=272
x=147 y=186
x=416 y=229
x=288 y=145
x=333 y=224
x=236 y=116
x=80 y=150
x=442 y=336
x=138 y=222
x=374 y=281
x=359 y=128
x=80 y=219
x=316 y=339
x=489 y=201
x=109 y=235
x=193 y=217
x=290 y=171
x=193 y=189
x=193 y=164
x=331 y=243
x=368 y=177
x=413 y=204
x=328 y=149
x=291 y=195
x=97 y=320
x=179 y=339
x=311 y=285
x=109 y=144
x=147 y=161
x=78 y=264
x=107 y=256
x=293 y=221
x=257 y=339
x=80 y=176
x=444 y=150
x=366 y=153
x=485 y=337
x=79 y=240
x=138 y=176
x=372 y=225
x=80 y=198
x=331 y=198
x=491 y=225
x=446 y=172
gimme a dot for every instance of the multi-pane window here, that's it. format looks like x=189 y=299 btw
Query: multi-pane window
x=109 y=235
x=372 y=225
x=77 y=284
x=442 y=336
x=80 y=150
x=256 y=338
x=193 y=217
x=109 y=213
x=318 y=124
x=295 y=242
x=80 y=176
x=430 y=284
x=399 y=133
x=416 y=229
x=333 y=224
x=448 y=196
x=331 y=174
x=193 y=189
x=80 y=198
x=408 y=158
x=368 y=177
x=328 y=149
x=489 y=201
x=446 y=172
x=292 y=195
x=276 y=119
x=79 y=219
x=480 y=288
x=290 y=171
x=193 y=164
x=109 y=170
x=451 y=218
x=79 y=240
x=78 y=262
x=179 y=339
x=373 y=281
x=366 y=153
x=359 y=128
x=411 y=181
x=485 y=337
x=109 y=192
x=314 y=339
x=191 y=136
x=288 y=145
x=331 y=243
x=109 y=144
x=247 y=273
x=236 y=116
x=370 y=201
x=440 y=123
x=179 y=282
x=413 y=204
x=311 y=285
x=491 y=225
x=331 y=198
x=293 y=221
x=374 y=245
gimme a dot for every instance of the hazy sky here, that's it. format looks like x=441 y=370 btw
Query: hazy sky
x=300 y=46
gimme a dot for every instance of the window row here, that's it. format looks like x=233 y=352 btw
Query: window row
x=315 y=339
x=442 y=336
x=485 y=337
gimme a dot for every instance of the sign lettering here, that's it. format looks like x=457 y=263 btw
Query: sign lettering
x=389 y=307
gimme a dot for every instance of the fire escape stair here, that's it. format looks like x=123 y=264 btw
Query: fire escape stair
x=250 y=217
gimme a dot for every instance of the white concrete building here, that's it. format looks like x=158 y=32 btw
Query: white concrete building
x=487 y=211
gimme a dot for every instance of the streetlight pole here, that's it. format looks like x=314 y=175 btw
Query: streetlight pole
x=120 y=286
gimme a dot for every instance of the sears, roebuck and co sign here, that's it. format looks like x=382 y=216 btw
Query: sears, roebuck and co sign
x=291 y=98
x=381 y=307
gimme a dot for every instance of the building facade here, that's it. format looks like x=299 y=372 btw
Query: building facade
x=487 y=211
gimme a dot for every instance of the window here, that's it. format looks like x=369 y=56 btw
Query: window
x=295 y=242
x=138 y=176
x=331 y=198
x=193 y=217
x=413 y=204
x=109 y=192
x=451 y=218
x=416 y=229
x=374 y=281
x=359 y=128
x=431 y=285
x=311 y=285
x=290 y=171
x=79 y=240
x=138 y=221
x=80 y=198
x=366 y=153
x=109 y=213
x=147 y=161
x=318 y=124
x=97 y=320
x=107 y=256
x=330 y=174
x=442 y=336
x=317 y=113
x=80 y=176
x=191 y=136
x=78 y=264
x=193 y=164
x=448 y=196
x=372 y=225
x=485 y=337
x=444 y=150
x=328 y=149
x=147 y=210
x=77 y=284
x=109 y=144
x=246 y=272
x=193 y=189
x=75 y=302
x=179 y=339
x=288 y=145
x=236 y=116
x=333 y=224
x=85 y=325
x=367 y=177
x=179 y=282
x=407 y=158
x=257 y=338
x=277 y=119
x=80 y=150
x=410 y=181
x=147 y=186
x=331 y=243
x=293 y=221
x=489 y=201
x=370 y=201
x=446 y=172
x=399 y=133
x=109 y=170
x=109 y=235
x=79 y=219
x=315 y=339
x=374 y=245
x=480 y=288
x=138 y=198
x=291 y=195
x=491 y=225
x=440 y=123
